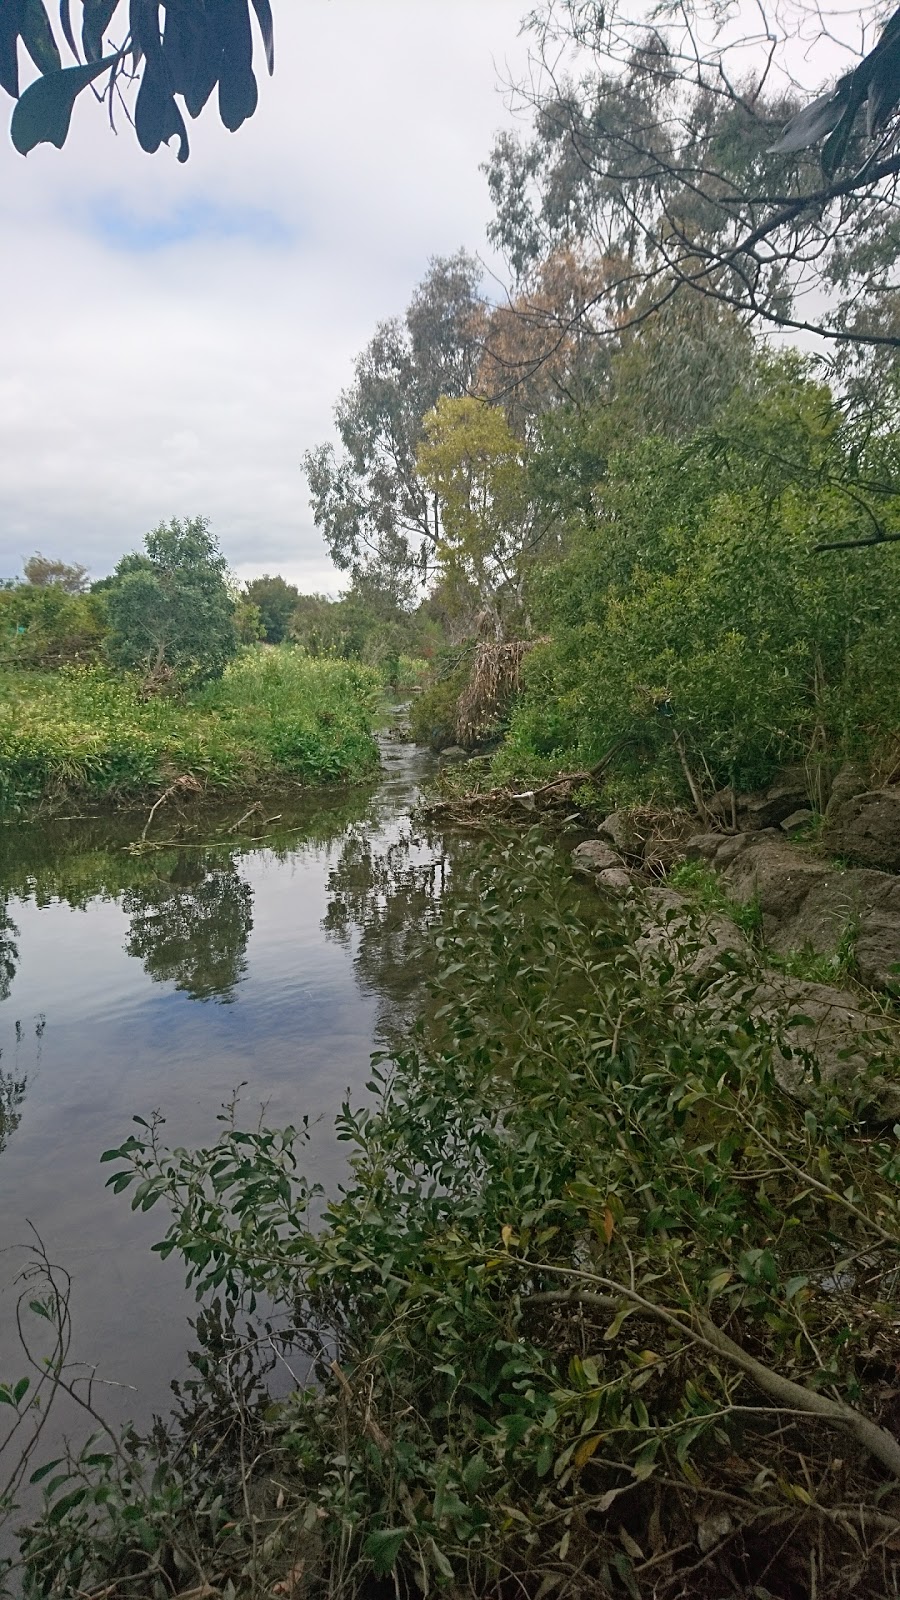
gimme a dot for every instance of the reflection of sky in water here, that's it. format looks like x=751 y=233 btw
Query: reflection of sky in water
x=299 y=1029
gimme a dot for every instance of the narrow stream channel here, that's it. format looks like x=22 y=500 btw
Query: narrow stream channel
x=134 y=979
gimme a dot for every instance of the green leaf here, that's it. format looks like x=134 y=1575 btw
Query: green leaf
x=43 y=113
x=383 y=1547
x=21 y=1389
x=44 y=1472
x=37 y=37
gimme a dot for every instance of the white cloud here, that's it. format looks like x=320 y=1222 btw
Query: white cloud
x=175 y=336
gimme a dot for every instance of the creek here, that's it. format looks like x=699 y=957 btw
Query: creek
x=272 y=953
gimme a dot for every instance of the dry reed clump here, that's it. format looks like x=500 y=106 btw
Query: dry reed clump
x=496 y=676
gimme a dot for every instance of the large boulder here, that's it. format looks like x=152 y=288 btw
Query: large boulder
x=627 y=831
x=687 y=935
x=865 y=828
x=822 y=1029
x=825 y=1029
x=593 y=856
x=775 y=874
x=807 y=903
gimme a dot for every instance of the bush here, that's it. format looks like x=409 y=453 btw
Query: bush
x=694 y=615
x=574 y=1174
x=48 y=627
x=432 y=717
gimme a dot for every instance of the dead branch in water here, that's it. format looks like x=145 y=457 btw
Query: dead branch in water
x=505 y=802
x=186 y=784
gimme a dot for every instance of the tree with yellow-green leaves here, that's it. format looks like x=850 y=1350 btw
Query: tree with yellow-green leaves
x=474 y=466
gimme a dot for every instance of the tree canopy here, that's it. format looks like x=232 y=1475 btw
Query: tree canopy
x=176 y=52
x=169 y=608
x=659 y=138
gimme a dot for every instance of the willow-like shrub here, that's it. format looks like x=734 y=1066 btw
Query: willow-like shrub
x=598 y=1310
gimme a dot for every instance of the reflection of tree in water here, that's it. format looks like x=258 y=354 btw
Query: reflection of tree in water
x=9 y=953
x=12 y=1093
x=191 y=927
x=13 y=1084
x=390 y=896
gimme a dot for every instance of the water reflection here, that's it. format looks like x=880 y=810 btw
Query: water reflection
x=190 y=927
x=386 y=896
x=9 y=951
x=12 y=1093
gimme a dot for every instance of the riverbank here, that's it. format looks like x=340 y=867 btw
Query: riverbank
x=598 y=1310
x=275 y=717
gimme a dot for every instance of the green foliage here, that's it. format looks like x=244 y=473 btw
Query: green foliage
x=46 y=573
x=571 y=1175
x=272 y=714
x=694 y=610
x=432 y=717
x=46 y=626
x=170 y=610
x=277 y=600
x=473 y=466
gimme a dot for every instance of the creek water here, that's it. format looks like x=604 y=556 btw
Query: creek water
x=134 y=978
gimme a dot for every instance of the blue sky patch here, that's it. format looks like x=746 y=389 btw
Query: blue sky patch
x=110 y=220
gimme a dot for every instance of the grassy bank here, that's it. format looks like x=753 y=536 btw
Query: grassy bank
x=598 y=1312
x=277 y=714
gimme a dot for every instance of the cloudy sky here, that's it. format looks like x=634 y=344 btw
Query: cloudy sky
x=175 y=336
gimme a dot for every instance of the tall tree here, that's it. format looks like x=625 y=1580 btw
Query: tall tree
x=179 y=51
x=473 y=465
x=375 y=513
x=277 y=600
x=658 y=137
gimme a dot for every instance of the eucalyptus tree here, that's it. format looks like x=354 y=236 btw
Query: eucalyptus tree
x=377 y=516
x=680 y=144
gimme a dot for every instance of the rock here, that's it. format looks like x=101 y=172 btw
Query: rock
x=625 y=832
x=780 y=877
x=845 y=1042
x=866 y=828
x=614 y=880
x=454 y=752
x=769 y=807
x=807 y=903
x=704 y=846
x=798 y=820
x=594 y=856
x=850 y=780
x=690 y=937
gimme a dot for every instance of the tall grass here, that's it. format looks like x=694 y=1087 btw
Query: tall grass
x=86 y=731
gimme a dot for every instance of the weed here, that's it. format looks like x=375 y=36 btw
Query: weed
x=88 y=731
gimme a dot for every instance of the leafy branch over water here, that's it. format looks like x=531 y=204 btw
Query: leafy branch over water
x=598 y=1311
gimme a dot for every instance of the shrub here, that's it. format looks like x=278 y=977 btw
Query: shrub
x=694 y=616
x=574 y=1174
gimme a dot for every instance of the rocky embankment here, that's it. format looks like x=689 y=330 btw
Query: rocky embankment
x=833 y=892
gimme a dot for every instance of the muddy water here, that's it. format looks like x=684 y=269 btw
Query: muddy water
x=272 y=954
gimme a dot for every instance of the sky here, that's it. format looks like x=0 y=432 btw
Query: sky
x=174 y=337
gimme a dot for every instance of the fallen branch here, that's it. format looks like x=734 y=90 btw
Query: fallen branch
x=186 y=782
x=794 y=1396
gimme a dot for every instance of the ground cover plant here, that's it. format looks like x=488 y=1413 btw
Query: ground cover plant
x=599 y=1311
x=91 y=733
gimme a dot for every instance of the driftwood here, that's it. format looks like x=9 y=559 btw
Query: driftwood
x=505 y=802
